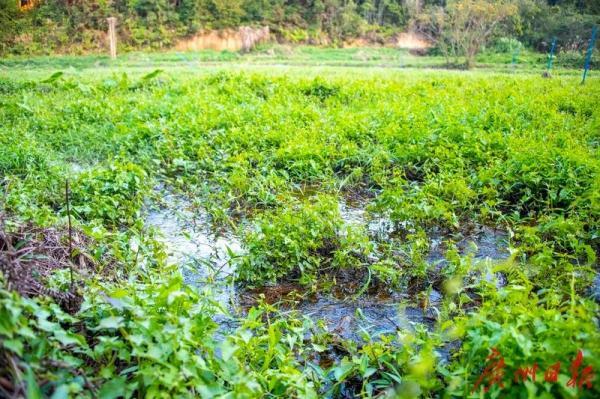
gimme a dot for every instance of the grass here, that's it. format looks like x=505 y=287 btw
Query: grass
x=277 y=57
x=272 y=151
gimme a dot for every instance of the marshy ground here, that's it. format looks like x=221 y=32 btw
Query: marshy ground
x=295 y=231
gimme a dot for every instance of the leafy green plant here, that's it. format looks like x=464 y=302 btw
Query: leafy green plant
x=112 y=195
x=294 y=242
x=527 y=328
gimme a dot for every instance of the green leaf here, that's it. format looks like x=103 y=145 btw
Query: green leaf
x=319 y=348
x=342 y=371
x=33 y=390
x=152 y=74
x=111 y=322
x=67 y=338
x=54 y=77
x=61 y=392
x=227 y=350
x=14 y=345
x=112 y=389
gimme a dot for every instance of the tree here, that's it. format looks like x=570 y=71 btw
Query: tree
x=339 y=19
x=9 y=21
x=474 y=22
x=433 y=24
x=465 y=26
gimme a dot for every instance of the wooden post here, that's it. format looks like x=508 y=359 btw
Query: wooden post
x=112 y=36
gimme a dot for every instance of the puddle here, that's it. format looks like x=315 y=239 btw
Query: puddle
x=76 y=168
x=351 y=320
x=354 y=213
x=202 y=254
x=484 y=244
x=72 y=168
x=368 y=317
x=206 y=263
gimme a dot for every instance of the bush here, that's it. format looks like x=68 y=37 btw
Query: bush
x=576 y=60
x=112 y=195
x=299 y=242
x=506 y=45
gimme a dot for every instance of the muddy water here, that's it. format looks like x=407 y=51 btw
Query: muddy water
x=205 y=260
x=481 y=242
x=368 y=317
x=374 y=316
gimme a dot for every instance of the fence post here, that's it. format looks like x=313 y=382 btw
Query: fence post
x=515 y=57
x=551 y=55
x=588 y=56
x=112 y=36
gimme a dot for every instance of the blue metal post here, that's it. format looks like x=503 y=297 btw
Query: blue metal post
x=515 y=57
x=588 y=56
x=551 y=55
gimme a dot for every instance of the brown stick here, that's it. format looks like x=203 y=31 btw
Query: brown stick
x=6 y=384
x=70 y=230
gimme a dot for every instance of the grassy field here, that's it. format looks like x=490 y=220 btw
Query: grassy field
x=273 y=58
x=335 y=190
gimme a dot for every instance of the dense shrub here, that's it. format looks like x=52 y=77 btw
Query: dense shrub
x=112 y=195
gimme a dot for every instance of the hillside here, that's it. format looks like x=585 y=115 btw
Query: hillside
x=77 y=26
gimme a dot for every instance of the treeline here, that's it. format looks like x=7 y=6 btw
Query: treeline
x=46 y=26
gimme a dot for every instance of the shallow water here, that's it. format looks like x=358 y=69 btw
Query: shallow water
x=366 y=317
x=202 y=254
x=206 y=263
x=484 y=244
x=353 y=212
x=481 y=242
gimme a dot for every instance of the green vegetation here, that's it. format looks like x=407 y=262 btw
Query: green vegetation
x=459 y=28
x=272 y=157
x=300 y=241
x=269 y=58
